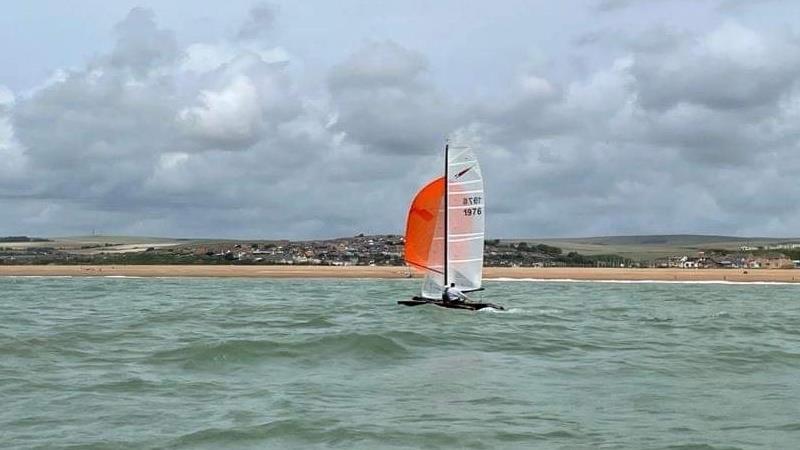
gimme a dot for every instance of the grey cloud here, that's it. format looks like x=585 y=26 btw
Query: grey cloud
x=12 y=159
x=720 y=99
x=92 y=134
x=225 y=146
x=653 y=42
x=259 y=23
x=592 y=37
x=380 y=65
x=679 y=132
x=657 y=41
x=615 y=5
x=731 y=68
x=141 y=46
x=726 y=5
x=612 y=5
x=121 y=136
x=384 y=102
x=683 y=137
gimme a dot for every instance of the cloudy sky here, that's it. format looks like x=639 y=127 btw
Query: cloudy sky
x=321 y=119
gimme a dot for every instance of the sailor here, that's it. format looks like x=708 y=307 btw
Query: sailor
x=453 y=295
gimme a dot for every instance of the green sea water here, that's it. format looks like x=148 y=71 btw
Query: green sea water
x=253 y=363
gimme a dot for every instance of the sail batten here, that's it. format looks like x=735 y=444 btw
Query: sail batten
x=465 y=239
x=461 y=206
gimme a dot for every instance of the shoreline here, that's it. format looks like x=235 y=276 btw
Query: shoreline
x=396 y=272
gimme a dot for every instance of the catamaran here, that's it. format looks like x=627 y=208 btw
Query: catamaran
x=445 y=232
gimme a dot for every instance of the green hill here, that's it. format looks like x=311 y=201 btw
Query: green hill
x=647 y=247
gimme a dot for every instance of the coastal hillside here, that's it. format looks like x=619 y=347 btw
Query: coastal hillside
x=648 y=247
x=387 y=250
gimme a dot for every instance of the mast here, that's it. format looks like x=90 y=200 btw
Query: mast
x=446 y=207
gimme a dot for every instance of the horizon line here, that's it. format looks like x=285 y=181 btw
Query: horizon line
x=551 y=238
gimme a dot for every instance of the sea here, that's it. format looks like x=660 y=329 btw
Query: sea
x=223 y=363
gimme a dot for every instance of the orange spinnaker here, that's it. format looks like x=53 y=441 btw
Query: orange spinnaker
x=421 y=225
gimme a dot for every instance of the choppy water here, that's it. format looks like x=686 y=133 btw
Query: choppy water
x=231 y=363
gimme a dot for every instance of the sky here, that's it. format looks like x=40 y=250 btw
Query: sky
x=320 y=119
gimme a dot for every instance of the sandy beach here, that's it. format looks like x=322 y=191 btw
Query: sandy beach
x=549 y=273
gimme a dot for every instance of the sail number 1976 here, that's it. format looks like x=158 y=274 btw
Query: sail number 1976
x=474 y=211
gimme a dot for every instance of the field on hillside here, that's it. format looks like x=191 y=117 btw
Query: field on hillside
x=93 y=244
x=656 y=246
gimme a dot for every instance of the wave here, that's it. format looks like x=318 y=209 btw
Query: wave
x=502 y=311
x=699 y=447
x=132 y=384
x=321 y=432
x=352 y=345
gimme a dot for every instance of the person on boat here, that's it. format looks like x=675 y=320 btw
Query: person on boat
x=452 y=294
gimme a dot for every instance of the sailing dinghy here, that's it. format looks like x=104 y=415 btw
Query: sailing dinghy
x=445 y=231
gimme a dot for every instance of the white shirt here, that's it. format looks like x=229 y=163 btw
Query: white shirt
x=453 y=293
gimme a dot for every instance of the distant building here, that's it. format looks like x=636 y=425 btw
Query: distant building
x=688 y=262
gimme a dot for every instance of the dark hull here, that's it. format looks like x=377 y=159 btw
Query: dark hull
x=416 y=301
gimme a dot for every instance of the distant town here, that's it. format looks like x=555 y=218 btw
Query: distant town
x=378 y=250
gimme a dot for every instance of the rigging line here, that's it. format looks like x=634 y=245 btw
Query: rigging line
x=424 y=267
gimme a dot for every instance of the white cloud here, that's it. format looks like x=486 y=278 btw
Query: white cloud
x=202 y=57
x=737 y=43
x=6 y=97
x=536 y=86
x=231 y=115
x=12 y=158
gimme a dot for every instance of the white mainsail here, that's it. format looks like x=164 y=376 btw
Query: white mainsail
x=463 y=225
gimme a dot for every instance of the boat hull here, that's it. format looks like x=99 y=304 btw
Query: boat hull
x=471 y=306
